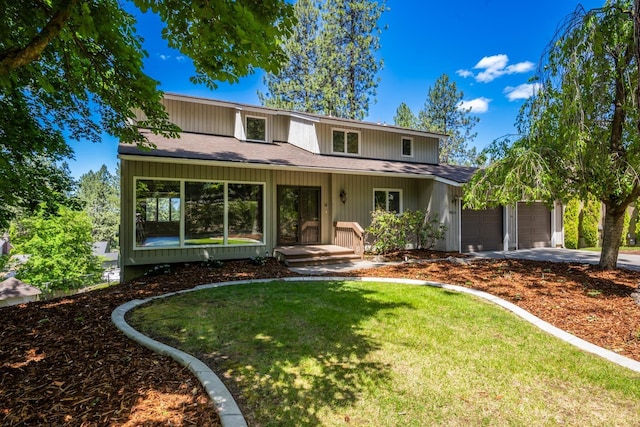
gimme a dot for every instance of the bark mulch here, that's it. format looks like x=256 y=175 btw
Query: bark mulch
x=62 y=362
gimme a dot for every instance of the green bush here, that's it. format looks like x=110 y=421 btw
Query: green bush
x=625 y=229
x=59 y=248
x=387 y=232
x=590 y=218
x=392 y=232
x=571 y=214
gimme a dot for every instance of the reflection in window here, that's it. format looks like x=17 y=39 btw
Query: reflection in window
x=388 y=200
x=204 y=213
x=256 y=129
x=346 y=142
x=407 y=147
x=157 y=213
x=245 y=207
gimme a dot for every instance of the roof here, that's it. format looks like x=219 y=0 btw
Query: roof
x=304 y=115
x=211 y=148
x=14 y=288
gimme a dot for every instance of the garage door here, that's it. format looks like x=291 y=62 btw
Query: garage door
x=534 y=226
x=481 y=230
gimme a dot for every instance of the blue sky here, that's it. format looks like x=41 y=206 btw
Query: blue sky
x=490 y=48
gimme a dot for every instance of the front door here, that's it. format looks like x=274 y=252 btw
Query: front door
x=298 y=215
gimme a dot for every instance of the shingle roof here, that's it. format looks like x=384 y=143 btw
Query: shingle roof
x=228 y=149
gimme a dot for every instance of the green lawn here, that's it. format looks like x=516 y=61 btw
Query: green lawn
x=324 y=353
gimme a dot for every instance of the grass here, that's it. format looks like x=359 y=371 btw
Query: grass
x=328 y=353
x=628 y=249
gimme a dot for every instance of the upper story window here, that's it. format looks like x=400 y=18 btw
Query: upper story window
x=407 y=147
x=256 y=128
x=387 y=200
x=346 y=142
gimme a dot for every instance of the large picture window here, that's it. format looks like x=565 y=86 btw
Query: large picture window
x=215 y=213
x=387 y=200
x=346 y=142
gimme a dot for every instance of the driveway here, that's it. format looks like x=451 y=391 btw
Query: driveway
x=631 y=262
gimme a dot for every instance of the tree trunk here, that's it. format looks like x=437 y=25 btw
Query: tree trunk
x=611 y=236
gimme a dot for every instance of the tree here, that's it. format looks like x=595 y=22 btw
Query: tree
x=580 y=134
x=99 y=192
x=332 y=65
x=443 y=113
x=296 y=86
x=405 y=118
x=32 y=170
x=59 y=248
x=77 y=66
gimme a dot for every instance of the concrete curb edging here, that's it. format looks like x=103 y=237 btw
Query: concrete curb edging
x=228 y=410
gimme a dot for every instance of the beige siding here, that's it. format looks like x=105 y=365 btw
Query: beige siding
x=280 y=131
x=302 y=133
x=201 y=118
x=359 y=191
x=378 y=144
x=444 y=202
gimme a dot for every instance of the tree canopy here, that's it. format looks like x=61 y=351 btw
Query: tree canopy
x=332 y=64
x=579 y=133
x=99 y=193
x=75 y=68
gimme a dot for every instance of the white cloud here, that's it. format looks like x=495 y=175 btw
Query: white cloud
x=180 y=58
x=164 y=57
x=523 y=91
x=496 y=66
x=478 y=105
x=464 y=73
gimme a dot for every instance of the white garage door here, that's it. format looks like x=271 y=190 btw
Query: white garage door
x=534 y=226
x=481 y=230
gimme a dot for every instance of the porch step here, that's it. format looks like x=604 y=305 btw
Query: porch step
x=321 y=260
x=298 y=256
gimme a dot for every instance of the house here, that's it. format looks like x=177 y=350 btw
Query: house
x=245 y=181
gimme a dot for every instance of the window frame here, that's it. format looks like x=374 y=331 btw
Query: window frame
x=246 y=128
x=182 y=220
x=346 y=132
x=411 y=145
x=387 y=191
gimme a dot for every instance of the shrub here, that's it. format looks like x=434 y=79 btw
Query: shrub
x=625 y=229
x=589 y=220
x=387 y=232
x=392 y=232
x=571 y=214
x=60 y=249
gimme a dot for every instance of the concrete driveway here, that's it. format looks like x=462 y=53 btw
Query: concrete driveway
x=631 y=262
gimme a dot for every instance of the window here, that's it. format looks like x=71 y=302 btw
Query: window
x=157 y=213
x=215 y=213
x=346 y=142
x=388 y=200
x=407 y=147
x=256 y=129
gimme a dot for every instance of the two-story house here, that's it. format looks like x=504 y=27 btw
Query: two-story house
x=245 y=181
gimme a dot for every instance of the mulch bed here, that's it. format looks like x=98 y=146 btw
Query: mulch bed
x=63 y=362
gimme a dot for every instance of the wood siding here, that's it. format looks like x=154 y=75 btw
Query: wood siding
x=201 y=118
x=378 y=144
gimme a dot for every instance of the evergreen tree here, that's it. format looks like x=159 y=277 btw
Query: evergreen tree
x=100 y=194
x=296 y=86
x=332 y=66
x=442 y=113
x=405 y=118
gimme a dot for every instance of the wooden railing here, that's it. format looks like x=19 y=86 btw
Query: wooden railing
x=349 y=235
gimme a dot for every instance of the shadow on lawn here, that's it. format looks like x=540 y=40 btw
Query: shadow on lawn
x=290 y=350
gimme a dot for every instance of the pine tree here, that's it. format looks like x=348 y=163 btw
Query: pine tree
x=442 y=113
x=295 y=87
x=405 y=118
x=332 y=66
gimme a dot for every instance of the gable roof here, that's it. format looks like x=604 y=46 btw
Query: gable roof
x=211 y=149
x=313 y=117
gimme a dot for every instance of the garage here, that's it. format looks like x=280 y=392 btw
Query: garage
x=481 y=230
x=534 y=226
